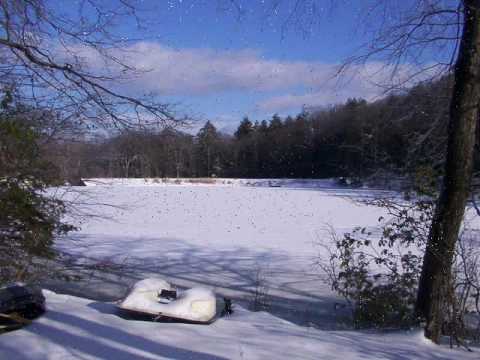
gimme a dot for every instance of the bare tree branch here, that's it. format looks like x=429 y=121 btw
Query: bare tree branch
x=41 y=54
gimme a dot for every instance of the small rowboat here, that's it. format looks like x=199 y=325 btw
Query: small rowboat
x=159 y=300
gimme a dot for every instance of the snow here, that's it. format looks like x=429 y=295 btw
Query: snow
x=298 y=183
x=196 y=304
x=150 y=284
x=218 y=236
x=77 y=328
x=223 y=236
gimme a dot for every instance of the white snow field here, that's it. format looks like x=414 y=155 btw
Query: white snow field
x=77 y=328
x=222 y=235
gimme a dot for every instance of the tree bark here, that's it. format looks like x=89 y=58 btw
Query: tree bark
x=444 y=231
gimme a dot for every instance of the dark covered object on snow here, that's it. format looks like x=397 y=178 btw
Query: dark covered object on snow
x=168 y=294
x=23 y=300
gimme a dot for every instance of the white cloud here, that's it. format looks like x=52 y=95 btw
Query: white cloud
x=197 y=71
x=207 y=71
x=200 y=71
x=370 y=82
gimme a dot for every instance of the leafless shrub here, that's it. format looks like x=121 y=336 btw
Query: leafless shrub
x=260 y=298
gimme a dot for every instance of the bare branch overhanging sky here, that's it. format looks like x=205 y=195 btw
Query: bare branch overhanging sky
x=221 y=63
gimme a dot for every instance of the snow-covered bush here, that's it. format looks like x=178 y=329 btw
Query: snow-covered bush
x=463 y=317
x=378 y=273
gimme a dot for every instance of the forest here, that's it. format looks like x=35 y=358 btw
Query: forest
x=400 y=135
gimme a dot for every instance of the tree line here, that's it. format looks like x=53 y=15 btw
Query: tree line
x=402 y=134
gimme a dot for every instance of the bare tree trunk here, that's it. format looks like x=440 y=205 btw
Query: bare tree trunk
x=127 y=168
x=208 y=161
x=444 y=231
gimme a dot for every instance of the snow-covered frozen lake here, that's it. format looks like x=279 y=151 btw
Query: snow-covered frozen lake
x=223 y=235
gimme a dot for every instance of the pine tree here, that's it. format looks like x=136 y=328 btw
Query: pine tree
x=29 y=218
x=208 y=150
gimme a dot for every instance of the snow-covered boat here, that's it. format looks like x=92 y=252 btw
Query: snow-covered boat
x=158 y=298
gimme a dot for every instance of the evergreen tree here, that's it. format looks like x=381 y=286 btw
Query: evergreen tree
x=245 y=129
x=246 y=149
x=208 y=157
x=29 y=218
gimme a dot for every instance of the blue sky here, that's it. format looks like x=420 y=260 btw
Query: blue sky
x=221 y=63
x=221 y=28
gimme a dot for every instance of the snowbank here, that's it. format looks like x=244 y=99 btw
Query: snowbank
x=292 y=183
x=77 y=328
